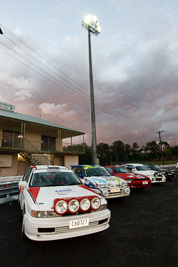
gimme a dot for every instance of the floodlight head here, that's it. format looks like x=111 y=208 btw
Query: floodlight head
x=91 y=23
x=1 y=32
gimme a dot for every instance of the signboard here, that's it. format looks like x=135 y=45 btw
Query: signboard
x=6 y=106
x=5 y=161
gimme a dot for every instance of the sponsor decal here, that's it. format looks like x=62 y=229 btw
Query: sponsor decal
x=64 y=191
x=99 y=180
x=118 y=179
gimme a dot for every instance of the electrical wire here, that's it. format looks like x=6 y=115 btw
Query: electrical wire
x=85 y=95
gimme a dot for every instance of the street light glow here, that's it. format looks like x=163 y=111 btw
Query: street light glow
x=91 y=23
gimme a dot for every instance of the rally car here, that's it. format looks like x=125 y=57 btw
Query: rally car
x=136 y=168
x=134 y=180
x=55 y=204
x=99 y=179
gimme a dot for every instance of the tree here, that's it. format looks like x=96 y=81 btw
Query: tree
x=118 y=151
x=85 y=158
x=103 y=151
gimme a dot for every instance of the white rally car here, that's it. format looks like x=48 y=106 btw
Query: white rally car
x=101 y=181
x=56 y=205
x=155 y=177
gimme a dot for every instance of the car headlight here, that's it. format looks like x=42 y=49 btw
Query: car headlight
x=95 y=203
x=73 y=205
x=43 y=214
x=85 y=204
x=61 y=207
x=102 y=186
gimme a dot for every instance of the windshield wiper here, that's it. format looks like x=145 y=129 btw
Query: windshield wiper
x=75 y=183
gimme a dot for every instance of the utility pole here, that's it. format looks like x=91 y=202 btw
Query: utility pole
x=1 y=32
x=160 y=142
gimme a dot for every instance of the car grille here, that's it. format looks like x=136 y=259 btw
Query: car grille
x=64 y=229
x=158 y=179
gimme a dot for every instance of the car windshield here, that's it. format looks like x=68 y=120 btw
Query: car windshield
x=142 y=168
x=157 y=166
x=96 y=172
x=57 y=178
x=120 y=170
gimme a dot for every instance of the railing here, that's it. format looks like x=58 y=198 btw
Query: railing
x=39 y=147
x=9 y=188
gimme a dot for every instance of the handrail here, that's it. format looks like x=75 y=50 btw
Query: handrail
x=36 y=146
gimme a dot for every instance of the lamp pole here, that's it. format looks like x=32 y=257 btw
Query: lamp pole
x=160 y=142
x=92 y=25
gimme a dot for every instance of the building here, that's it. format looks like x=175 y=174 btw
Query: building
x=26 y=140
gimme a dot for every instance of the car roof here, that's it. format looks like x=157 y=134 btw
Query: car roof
x=135 y=164
x=52 y=167
x=87 y=166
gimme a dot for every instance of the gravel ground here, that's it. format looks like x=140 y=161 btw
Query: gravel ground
x=143 y=232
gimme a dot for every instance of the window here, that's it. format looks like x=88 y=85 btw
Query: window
x=79 y=170
x=48 y=143
x=11 y=139
x=27 y=175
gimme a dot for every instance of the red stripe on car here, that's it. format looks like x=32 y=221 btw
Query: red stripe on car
x=34 y=192
x=84 y=186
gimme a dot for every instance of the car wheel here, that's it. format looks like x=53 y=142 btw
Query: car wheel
x=23 y=236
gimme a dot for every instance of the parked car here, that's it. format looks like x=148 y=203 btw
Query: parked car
x=169 y=174
x=177 y=165
x=56 y=205
x=99 y=179
x=156 y=177
x=134 y=180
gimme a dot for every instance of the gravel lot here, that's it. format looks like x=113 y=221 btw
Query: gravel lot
x=143 y=232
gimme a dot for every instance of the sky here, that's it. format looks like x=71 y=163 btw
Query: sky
x=44 y=66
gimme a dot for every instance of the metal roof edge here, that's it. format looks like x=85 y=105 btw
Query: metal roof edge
x=32 y=119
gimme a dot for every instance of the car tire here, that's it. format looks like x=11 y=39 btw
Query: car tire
x=23 y=236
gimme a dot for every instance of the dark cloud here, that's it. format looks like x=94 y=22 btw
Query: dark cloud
x=134 y=69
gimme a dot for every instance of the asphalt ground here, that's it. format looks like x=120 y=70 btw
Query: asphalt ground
x=143 y=232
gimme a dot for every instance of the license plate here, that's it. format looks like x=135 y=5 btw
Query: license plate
x=115 y=190
x=146 y=182
x=78 y=223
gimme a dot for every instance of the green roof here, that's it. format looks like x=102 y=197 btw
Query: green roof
x=31 y=119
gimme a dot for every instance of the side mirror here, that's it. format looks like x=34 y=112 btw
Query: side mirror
x=23 y=183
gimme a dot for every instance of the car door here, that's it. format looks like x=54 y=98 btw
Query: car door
x=25 y=178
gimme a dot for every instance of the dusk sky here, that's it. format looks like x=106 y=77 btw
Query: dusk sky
x=44 y=66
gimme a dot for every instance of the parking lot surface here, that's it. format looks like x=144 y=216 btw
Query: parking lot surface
x=143 y=232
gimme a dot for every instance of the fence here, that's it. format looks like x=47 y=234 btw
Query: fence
x=9 y=188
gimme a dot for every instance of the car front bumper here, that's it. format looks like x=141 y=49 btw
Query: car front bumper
x=44 y=229
x=158 y=179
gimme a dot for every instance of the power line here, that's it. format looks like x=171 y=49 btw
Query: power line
x=84 y=97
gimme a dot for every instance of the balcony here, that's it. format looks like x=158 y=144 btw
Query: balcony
x=22 y=144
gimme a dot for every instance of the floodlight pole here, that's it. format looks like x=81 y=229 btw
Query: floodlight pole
x=91 y=24
x=92 y=105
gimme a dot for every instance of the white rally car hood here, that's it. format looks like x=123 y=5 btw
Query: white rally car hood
x=44 y=196
x=146 y=173
x=105 y=180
